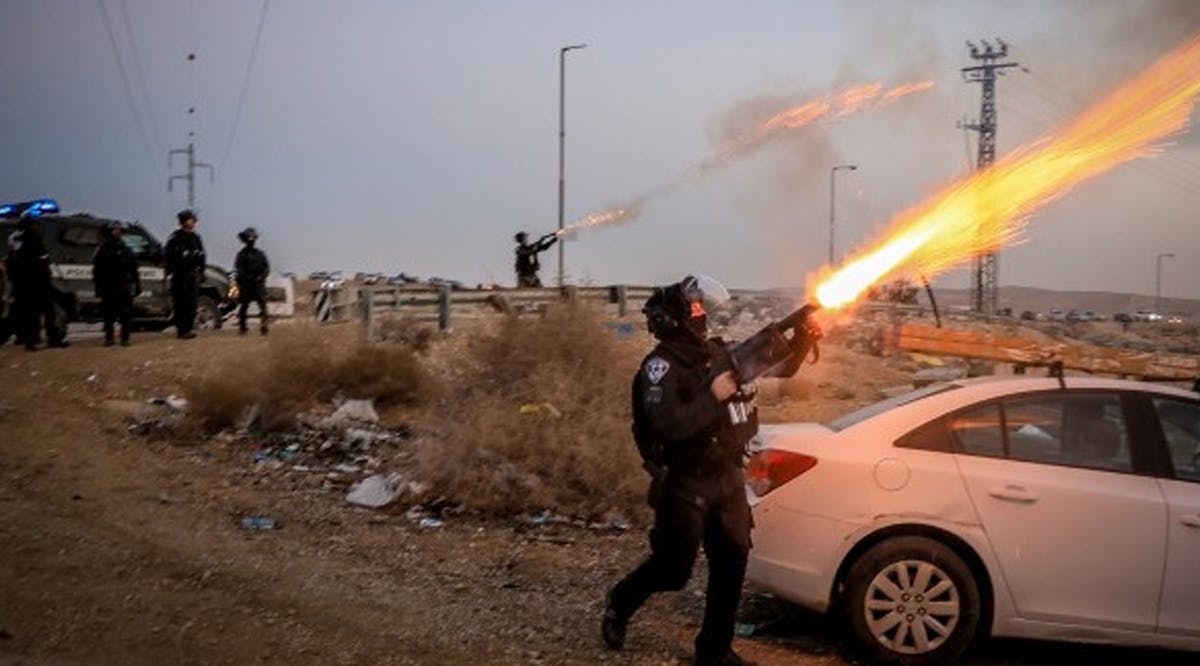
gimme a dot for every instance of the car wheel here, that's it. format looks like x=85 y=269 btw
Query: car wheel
x=208 y=316
x=912 y=600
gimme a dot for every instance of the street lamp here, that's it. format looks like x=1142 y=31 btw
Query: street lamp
x=1158 y=281
x=562 y=139
x=832 y=173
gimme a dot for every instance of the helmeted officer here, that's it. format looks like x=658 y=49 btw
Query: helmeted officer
x=252 y=269
x=692 y=423
x=527 y=265
x=28 y=267
x=185 y=262
x=115 y=276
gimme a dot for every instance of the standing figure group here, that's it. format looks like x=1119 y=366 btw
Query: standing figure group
x=34 y=296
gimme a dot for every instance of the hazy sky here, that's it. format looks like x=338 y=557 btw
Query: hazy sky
x=419 y=136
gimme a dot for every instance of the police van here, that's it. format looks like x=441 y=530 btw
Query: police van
x=71 y=240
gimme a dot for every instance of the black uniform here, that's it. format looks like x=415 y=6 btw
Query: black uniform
x=700 y=498
x=115 y=276
x=28 y=267
x=185 y=262
x=252 y=269
x=527 y=265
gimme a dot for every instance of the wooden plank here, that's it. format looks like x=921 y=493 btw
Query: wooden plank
x=1028 y=351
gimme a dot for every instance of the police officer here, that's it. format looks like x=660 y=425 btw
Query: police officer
x=252 y=269
x=527 y=265
x=115 y=276
x=691 y=422
x=185 y=262
x=33 y=292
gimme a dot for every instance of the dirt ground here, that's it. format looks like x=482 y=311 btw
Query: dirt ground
x=121 y=548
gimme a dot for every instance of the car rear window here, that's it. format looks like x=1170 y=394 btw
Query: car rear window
x=860 y=415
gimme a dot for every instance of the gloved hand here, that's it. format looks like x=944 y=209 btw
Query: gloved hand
x=804 y=339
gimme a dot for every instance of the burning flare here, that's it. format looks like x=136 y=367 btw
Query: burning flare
x=988 y=210
x=846 y=102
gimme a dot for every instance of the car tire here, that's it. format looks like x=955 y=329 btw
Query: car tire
x=208 y=315
x=891 y=612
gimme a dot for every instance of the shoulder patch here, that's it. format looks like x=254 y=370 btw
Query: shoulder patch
x=656 y=369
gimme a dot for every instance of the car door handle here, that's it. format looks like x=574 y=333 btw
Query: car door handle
x=1191 y=520
x=1013 y=493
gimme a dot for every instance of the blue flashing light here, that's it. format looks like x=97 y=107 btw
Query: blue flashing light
x=34 y=208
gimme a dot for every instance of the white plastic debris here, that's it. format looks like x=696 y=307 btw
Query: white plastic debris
x=362 y=411
x=429 y=522
x=376 y=490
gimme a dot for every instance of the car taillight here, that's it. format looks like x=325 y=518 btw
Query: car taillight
x=770 y=468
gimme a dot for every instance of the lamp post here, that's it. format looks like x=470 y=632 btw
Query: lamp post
x=1158 y=281
x=562 y=139
x=832 y=172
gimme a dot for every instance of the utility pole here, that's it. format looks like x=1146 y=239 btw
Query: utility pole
x=562 y=140
x=190 y=176
x=985 y=276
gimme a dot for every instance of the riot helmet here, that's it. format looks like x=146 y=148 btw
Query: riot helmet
x=248 y=235
x=521 y=237
x=683 y=307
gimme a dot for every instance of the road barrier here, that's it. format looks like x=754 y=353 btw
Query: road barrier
x=444 y=304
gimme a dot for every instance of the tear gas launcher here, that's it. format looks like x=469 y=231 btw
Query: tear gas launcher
x=779 y=348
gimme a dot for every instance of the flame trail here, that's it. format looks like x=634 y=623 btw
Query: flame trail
x=989 y=209
x=846 y=102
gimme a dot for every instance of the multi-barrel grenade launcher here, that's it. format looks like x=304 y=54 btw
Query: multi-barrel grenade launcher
x=772 y=346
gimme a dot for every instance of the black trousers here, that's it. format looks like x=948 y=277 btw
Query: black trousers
x=245 y=298
x=33 y=308
x=116 y=308
x=710 y=509
x=184 y=293
x=529 y=280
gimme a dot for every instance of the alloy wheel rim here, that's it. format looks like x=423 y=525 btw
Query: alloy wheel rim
x=912 y=607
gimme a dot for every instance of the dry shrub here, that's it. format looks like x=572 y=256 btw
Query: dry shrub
x=539 y=419
x=304 y=366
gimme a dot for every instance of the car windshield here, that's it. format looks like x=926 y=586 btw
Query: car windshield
x=860 y=415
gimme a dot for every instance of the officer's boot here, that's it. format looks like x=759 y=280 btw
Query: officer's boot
x=612 y=626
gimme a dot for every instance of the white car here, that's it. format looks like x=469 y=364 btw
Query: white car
x=1025 y=507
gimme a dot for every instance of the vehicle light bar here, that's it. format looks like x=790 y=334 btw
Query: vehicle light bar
x=34 y=208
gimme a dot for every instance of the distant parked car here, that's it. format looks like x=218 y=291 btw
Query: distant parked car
x=1123 y=317
x=1029 y=315
x=1146 y=315
x=1006 y=506
x=1056 y=314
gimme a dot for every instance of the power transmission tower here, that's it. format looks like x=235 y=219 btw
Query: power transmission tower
x=190 y=176
x=985 y=276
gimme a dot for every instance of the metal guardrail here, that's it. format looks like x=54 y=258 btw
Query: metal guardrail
x=443 y=304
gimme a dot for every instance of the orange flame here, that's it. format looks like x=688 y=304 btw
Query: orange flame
x=988 y=210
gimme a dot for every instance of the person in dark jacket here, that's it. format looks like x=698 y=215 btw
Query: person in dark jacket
x=252 y=269
x=28 y=268
x=692 y=423
x=527 y=265
x=115 y=276
x=185 y=262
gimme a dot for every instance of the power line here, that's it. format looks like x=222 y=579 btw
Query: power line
x=262 y=19
x=112 y=40
x=137 y=62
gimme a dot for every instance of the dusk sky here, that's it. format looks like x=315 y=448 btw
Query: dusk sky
x=419 y=136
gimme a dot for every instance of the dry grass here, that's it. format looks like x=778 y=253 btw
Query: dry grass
x=539 y=419
x=304 y=366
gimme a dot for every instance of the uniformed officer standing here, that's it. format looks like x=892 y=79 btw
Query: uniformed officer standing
x=115 y=276
x=692 y=424
x=252 y=269
x=527 y=265
x=185 y=262
x=28 y=267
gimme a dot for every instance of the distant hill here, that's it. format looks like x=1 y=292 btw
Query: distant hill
x=1100 y=302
